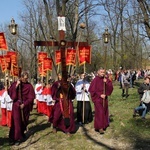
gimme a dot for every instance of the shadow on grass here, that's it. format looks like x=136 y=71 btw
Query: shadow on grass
x=138 y=134
x=89 y=137
x=96 y=141
x=35 y=129
x=134 y=135
x=4 y=142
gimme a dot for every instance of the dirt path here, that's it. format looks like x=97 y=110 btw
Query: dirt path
x=40 y=137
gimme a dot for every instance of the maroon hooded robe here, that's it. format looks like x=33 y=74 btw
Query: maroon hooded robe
x=57 y=118
x=101 y=120
x=28 y=95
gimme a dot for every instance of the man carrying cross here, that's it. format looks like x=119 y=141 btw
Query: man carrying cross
x=63 y=112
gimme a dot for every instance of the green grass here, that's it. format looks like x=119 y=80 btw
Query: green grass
x=123 y=129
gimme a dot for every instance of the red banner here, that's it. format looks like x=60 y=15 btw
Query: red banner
x=41 y=70
x=14 y=70
x=3 y=44
x=5 y=63
x=13 y=57
x=1 y=58
x=41 y=56
x=47 y=65
x=84 y=54
x=57 y=57
x=71 y=57
x=8 y=61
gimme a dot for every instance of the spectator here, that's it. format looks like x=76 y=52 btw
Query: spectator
x=144 y=105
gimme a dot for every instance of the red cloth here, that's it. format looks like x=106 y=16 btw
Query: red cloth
x=48 y=91
x=101 y=119
x=39 y=88
x=41 y=107
x=44 y=108
x=38 y=107
x=2 y=91
x=49 y=110
x=9 y=118
x=3 y=112
x=4 y=117
x=18 y=125
x=44 y=92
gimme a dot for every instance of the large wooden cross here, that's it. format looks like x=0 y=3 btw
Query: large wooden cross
x=63 y=45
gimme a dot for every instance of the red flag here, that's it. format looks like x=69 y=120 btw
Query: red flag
x=13 y=57
x=14 y=71
x=1 y=58
x=5 y=63
x=3 y=43
x=47 y=64
x=84 y=54
x=41 y=56
x=57 y=57
x=71 y=57
x=41 y=70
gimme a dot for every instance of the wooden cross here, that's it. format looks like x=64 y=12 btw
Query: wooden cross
x=64 y=83
x=62 y=44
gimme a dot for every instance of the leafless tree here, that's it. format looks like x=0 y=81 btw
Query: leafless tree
x=145 y=9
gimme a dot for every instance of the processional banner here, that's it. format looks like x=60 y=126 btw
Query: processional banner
x=41 y=57
x=3 y=43
x=15 y=70
x=57 y=57
x=5 y=63
x=47 y=62
x=71 y=57
x=84 y=54
x=13 y=57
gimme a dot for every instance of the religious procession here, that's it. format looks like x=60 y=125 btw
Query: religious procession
x=69 y=81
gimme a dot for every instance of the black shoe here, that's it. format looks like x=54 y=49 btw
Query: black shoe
x=80 y=124
x=127 y=95
x=24 y=136
x=11 y=143
x=134 y=113
x=123 y=95
x=17 y=143
x=143 y=118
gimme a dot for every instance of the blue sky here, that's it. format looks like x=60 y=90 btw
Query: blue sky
x=9 y=9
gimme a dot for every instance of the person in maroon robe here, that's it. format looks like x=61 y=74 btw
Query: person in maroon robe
x=100 y=88
x=62 y=116
x=23 y=95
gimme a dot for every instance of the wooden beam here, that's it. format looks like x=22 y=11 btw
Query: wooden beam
x=55 y=43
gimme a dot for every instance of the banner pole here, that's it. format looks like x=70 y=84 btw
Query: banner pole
x=83 y=97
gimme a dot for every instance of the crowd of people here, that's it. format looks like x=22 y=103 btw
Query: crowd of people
x=55 y=99
x=126 y=79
